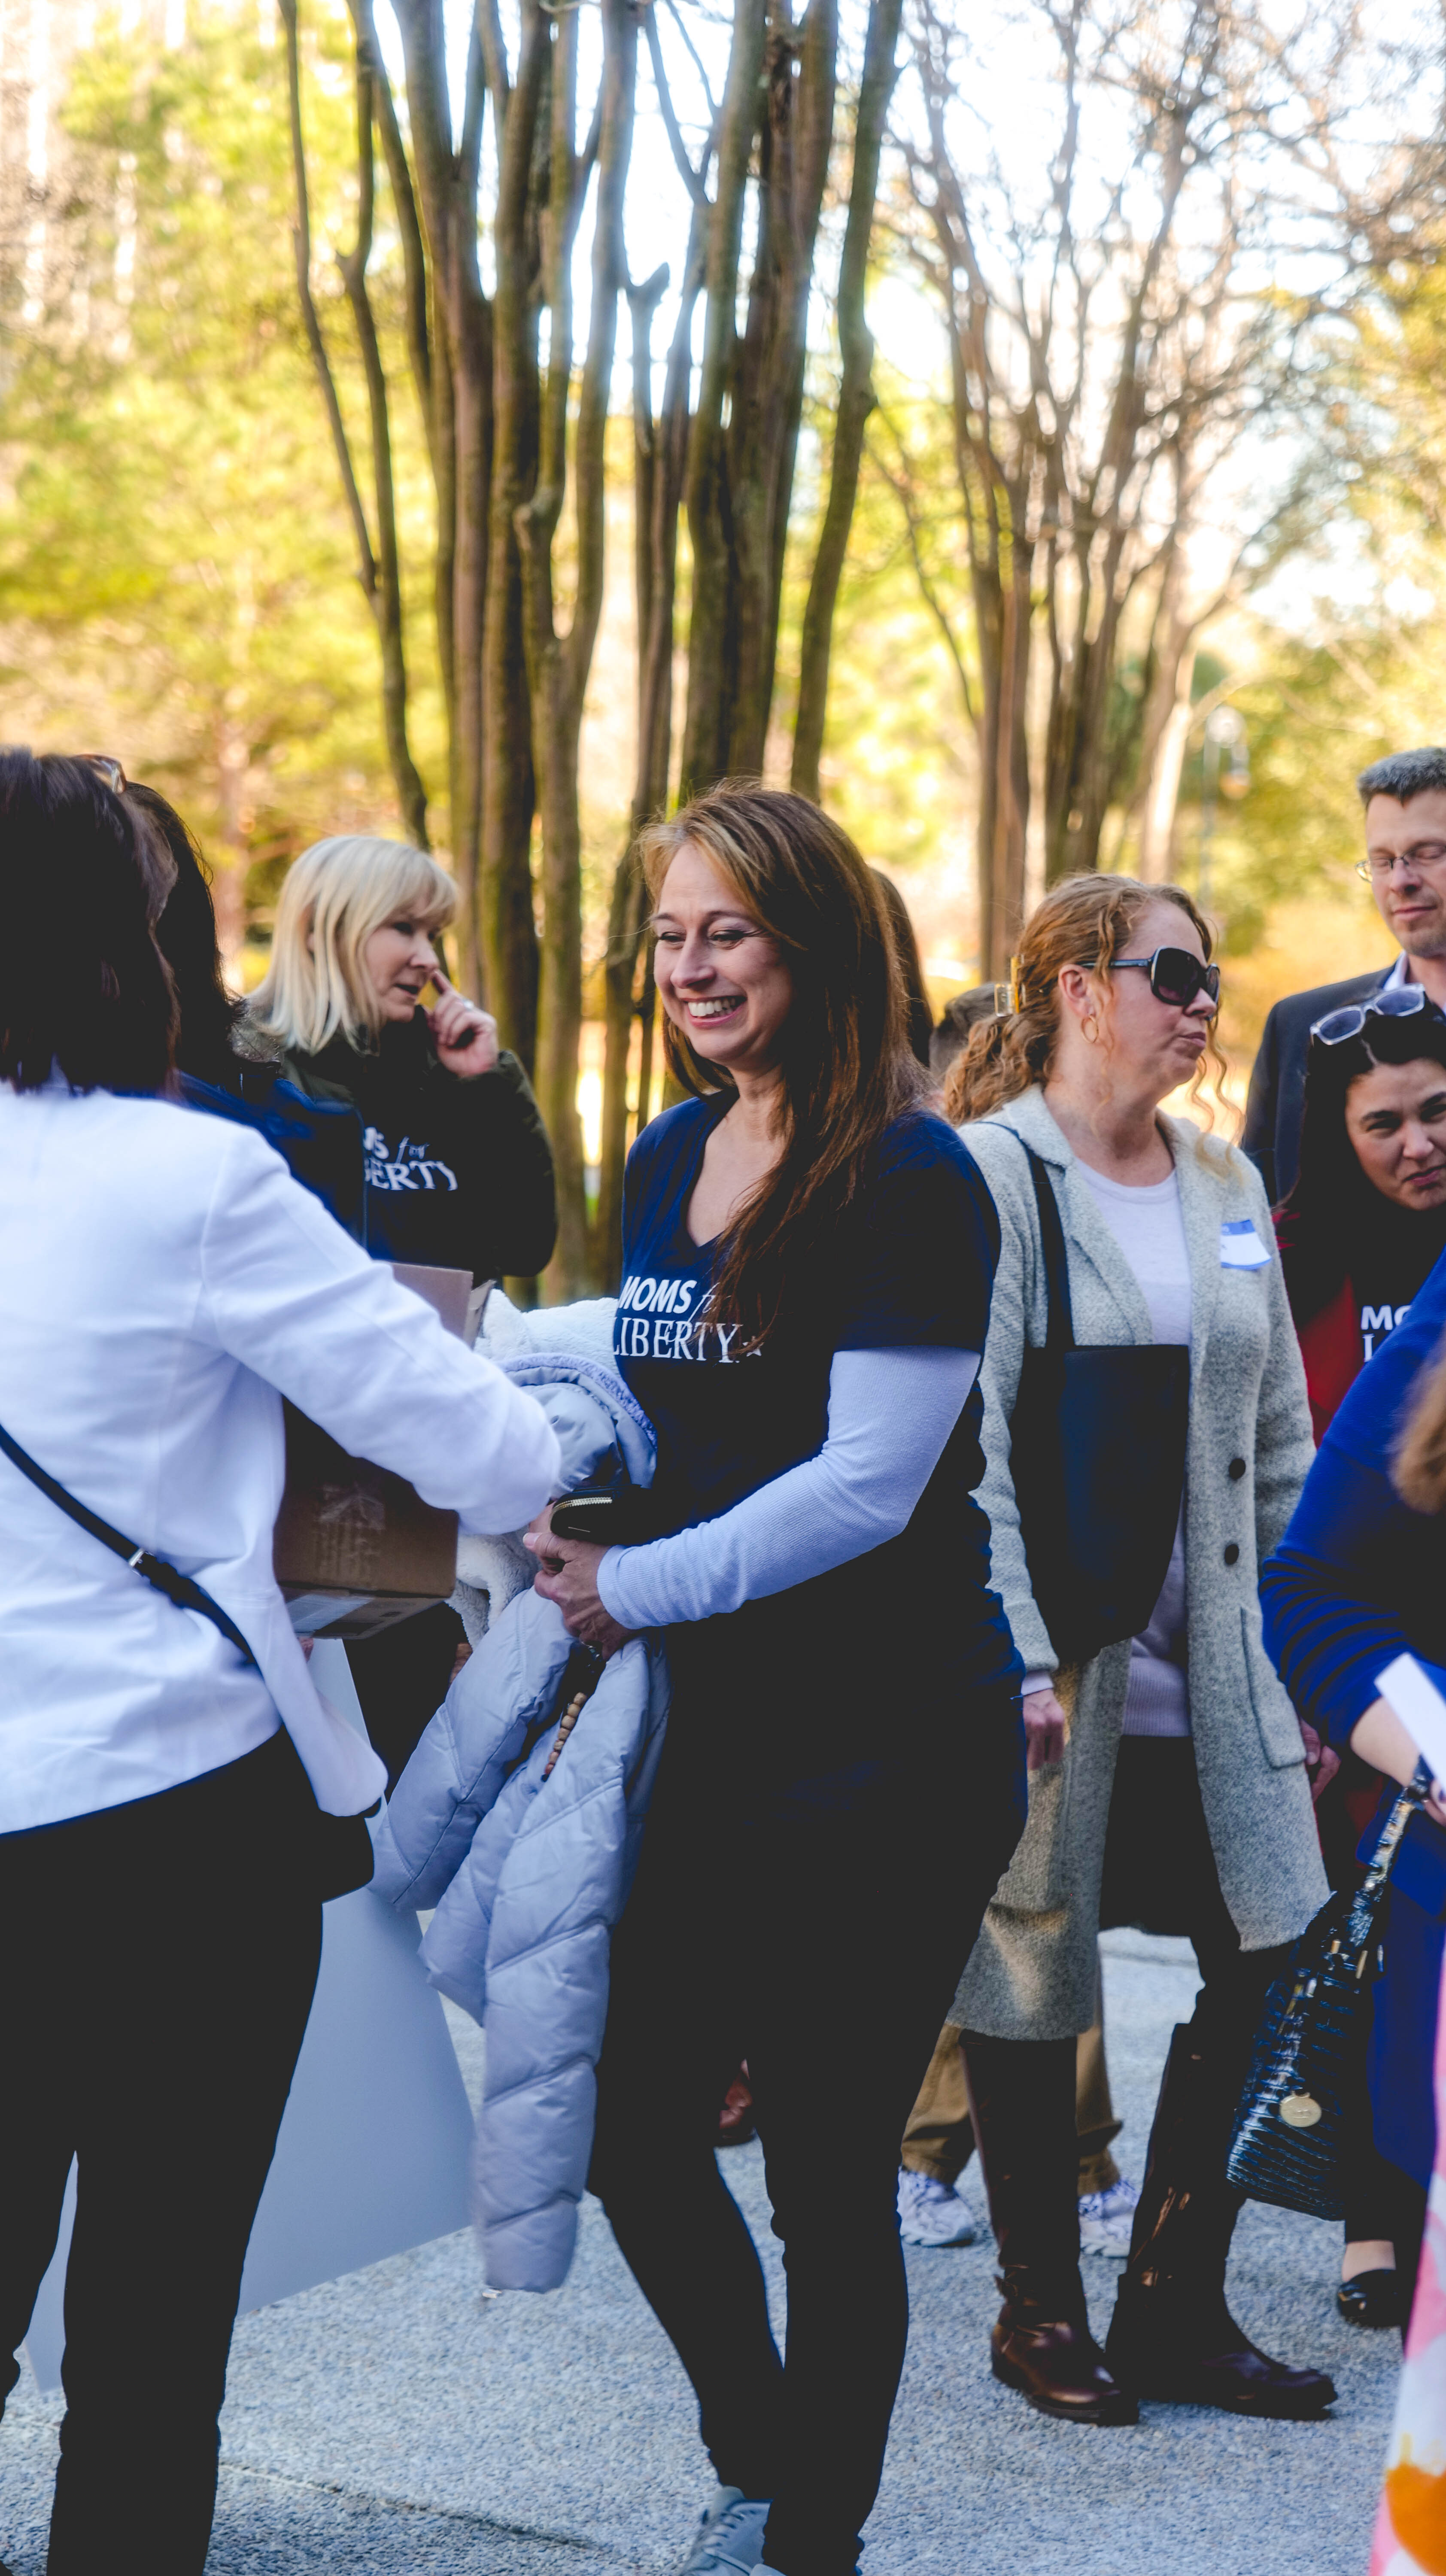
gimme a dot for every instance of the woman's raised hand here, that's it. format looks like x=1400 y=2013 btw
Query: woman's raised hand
x=567 y=1574
x=464 y=1036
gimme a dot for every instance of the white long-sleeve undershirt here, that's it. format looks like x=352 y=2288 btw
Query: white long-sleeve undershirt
x=890 y=1414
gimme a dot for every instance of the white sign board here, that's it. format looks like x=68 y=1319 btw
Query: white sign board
x=375 y=2145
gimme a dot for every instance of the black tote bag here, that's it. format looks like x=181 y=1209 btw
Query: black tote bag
x=1097 y=1450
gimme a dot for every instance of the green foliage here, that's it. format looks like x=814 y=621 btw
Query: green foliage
x=899 y=760
x=1360 y=673
x=176 y=572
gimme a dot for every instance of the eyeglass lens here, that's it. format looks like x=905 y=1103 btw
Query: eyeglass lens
x=1383 y=863
x=1400 y=1002
x=108 y=768
x=1176 y=976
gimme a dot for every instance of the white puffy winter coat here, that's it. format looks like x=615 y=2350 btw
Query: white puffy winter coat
x=528 y=1876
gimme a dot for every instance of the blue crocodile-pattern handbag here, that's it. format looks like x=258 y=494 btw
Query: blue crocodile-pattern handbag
x=1291 y=2130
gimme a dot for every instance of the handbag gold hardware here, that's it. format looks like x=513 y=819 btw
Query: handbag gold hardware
x=1300 y=2110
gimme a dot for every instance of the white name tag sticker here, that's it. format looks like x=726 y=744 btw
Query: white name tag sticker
x=1241 y=1247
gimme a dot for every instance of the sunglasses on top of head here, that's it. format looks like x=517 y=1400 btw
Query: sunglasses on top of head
x=1397 y=1002
x=107 y=769
x=1176 y=976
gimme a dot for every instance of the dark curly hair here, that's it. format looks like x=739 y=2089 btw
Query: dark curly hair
x=1332 y=1204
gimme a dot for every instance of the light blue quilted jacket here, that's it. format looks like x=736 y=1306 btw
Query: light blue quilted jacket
x=528 y=1876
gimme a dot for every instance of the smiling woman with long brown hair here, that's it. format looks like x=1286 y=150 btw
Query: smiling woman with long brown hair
x=807 y=1261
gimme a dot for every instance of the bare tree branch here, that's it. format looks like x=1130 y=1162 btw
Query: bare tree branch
x=686 y=172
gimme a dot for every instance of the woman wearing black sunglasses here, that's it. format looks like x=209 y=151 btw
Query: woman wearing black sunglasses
x=1168 y=1773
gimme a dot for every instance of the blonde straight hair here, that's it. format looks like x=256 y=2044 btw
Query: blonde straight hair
x=333 y=897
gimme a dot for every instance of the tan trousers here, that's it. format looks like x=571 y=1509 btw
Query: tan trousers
x=939 y=2139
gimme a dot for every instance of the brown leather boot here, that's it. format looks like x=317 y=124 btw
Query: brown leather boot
x=1172 y=2335
x=1042 y=2346
x=1022 y=2093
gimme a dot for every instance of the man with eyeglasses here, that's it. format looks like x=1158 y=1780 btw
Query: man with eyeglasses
x=1405 y=867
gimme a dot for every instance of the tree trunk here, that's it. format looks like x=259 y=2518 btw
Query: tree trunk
x=387 y=591
x=504 y=718
x=626 y=910
x=1165 y=725
x=856 y=395
x=430 y=360
x=713 y=626
x=558 y=666
x=766 y=393
x=660 y=466
x=378 y=569
x=457 y=405
x=1002 y=918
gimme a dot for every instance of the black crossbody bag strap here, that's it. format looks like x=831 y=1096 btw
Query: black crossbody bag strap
x=1059 y=1328
x=162 y=1577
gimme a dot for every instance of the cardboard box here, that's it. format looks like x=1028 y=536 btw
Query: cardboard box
x=356 y=1549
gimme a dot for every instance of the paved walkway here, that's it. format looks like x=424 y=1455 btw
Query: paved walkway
x=397 y=2420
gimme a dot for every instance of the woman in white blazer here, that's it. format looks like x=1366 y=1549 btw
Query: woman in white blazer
x=163 y=1282
x=1168 y=1781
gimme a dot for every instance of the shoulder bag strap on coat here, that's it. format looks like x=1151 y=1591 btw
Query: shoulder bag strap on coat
x=1059 y=1331
x=162 y=1577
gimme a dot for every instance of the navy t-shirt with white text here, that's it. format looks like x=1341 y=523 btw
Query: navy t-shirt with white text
x=910 y=1264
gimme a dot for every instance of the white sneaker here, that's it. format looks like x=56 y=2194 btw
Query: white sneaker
x=1106 y=2219
x=933 y=2213
x=730 y=2535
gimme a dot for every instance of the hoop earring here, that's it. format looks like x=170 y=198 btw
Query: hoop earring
x=1091 y=1026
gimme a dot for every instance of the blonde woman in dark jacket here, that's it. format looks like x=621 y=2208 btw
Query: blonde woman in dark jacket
x=457 y=1166
x=1169 y=1775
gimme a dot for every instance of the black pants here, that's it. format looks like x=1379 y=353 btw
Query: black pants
x=157 y=1963
x=831 y=1933
x=402 y=1676
x=1159 y=1876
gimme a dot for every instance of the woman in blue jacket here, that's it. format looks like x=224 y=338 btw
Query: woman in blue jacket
x=1356 y=1581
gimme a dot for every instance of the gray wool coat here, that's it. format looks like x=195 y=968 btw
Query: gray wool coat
x=1032 y=1972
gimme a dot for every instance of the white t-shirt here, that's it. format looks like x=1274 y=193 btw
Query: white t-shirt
x=1150 y=1231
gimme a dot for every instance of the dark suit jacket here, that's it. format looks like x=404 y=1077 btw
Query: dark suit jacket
x=1277 y=1084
